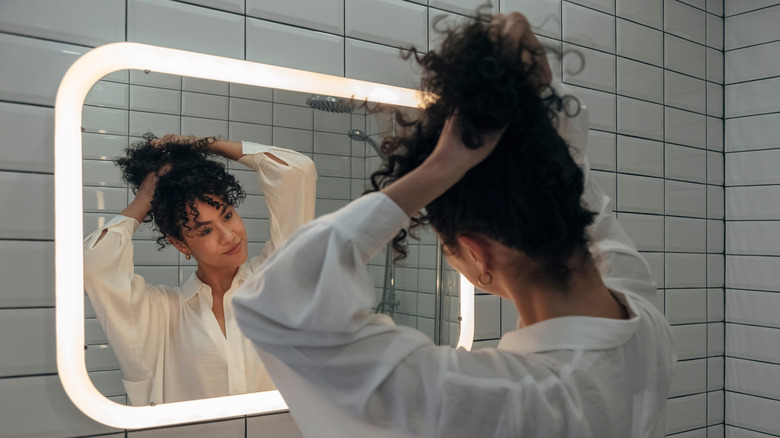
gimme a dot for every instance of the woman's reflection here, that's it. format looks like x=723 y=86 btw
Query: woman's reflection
x=182 y=343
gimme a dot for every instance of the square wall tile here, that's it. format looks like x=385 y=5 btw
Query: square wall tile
x=714 y=100
x=686 y=199
x=686 y=306
x=716 y=408
x=750 y=412
x=750 y=168
x=685 y=413
x=155 y=100
x=607 y=6
x=686 y=128
x=33 y=198
x=377 y=21
x=753 y=238
x=601 y=150
x=686 y=163
x=686 y=270
x=378 y=63
x=752 y=307
x=754 y=343
x=180 y=26
x=715 y=32
x=601 y=108
x=753 y=272
x=715 y=305
x=640 y=156
x=686 y=235
x=646 y=231
x=48 y=60
x=640 y=194
x=691 y=341
x=205 y=105
x=543 y=15
x=684 y=56
x=598 y=71
x=463 y=7
x=685 y=92
x=322 y=15
x=30 y=334
x=715 y=202
x=640 y=42
x=715 y=373
x=640 y=80
x=715 y=339
x=589 y=28
x=715 y=236
x=752 y=133
x=750 y=98
x=27 y=290
x=648 y=12
x=640 y=119
x=714 y=66
x=28 y=137
x=753 y=63
x=690 y=377
x=755 y=378
x=83 y=22
x=752 y=28
x=289 y=46
x=715 y=134
x=684 y=21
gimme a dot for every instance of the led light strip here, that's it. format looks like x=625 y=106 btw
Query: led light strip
x=69 y=282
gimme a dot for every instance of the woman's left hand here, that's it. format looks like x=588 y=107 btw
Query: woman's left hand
x=174 y=138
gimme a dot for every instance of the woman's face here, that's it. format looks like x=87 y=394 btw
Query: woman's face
x=217 y=237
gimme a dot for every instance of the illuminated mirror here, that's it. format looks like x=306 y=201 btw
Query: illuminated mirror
x=114 y=94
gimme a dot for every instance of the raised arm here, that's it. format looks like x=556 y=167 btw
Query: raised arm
x=132 y=313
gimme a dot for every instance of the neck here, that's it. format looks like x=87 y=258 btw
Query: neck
x=584 y=295
x=218 y=279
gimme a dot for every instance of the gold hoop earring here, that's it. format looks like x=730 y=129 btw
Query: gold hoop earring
x=187 y=256
x=486 y=282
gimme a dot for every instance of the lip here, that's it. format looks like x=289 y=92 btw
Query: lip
x=234 y=250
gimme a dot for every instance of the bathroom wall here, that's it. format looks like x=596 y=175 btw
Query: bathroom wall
x=752 y=155
x=653 y=80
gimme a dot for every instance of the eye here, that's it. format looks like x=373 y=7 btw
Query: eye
x=205 y=231
x=229 y=216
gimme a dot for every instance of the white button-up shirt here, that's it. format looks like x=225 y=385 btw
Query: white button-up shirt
x=167 y=340
x=345 y=371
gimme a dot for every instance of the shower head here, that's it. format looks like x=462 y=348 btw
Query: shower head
x=359 y=135
x=329 y=104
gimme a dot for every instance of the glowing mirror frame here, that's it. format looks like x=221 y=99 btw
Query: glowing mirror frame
x=69 y=283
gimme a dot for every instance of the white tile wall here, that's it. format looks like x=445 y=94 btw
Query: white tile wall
x=626 y=83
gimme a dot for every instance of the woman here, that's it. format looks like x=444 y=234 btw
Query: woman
x=591 y=357
x=182 y=343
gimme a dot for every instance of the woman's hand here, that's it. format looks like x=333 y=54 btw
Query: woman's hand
x=174 y=138
x=142 y=203
x=515 y=31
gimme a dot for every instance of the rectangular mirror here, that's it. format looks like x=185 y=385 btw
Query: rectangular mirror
x=131 y=89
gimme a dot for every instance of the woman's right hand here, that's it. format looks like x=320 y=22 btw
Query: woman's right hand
x=139 y=207
x=515 y=31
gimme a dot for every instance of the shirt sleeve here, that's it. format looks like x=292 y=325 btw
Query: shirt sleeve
x=289 y=189
x=620 y=264
x=132 y=313
x=308 y=311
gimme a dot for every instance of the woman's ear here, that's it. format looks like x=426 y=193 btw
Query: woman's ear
x=476 y=247
x=179 y=245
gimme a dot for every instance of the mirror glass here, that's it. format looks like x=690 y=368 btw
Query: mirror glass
x=124 y=105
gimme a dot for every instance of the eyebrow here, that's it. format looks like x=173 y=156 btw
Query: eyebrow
x=203 y=224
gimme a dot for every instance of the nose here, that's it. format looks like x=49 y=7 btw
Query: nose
x=227 y=235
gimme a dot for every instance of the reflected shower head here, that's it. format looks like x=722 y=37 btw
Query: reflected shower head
x=329 y=104
x=359 y=135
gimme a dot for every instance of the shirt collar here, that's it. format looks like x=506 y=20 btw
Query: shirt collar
x=193 y=285
x=574 y=332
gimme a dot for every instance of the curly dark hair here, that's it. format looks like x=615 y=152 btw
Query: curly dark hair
x=526 y=194
x=192 y=176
